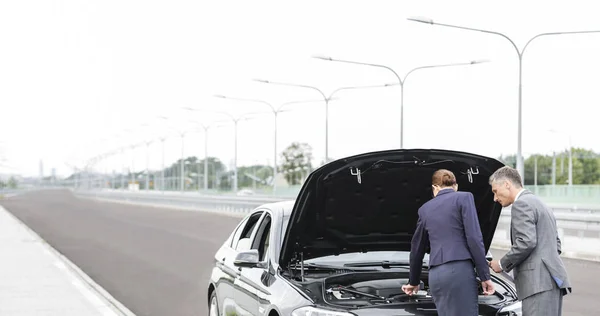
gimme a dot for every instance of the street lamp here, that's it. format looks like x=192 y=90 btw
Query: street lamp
x=276 y=111
x=570 y=155
x=325 y=98
x=133 y=177
x=122 y=149
x=206 y=128
x=235 y=121
x=148 y=142
x=400 y=80
x=520 y=164
x=182 y=134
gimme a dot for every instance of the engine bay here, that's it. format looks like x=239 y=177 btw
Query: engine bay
x=375 y=288
x=371 y=288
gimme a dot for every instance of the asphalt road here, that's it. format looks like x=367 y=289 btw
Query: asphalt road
x=157 y=261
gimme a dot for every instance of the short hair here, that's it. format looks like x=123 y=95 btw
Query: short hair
x=443 y=178
x=507 y=173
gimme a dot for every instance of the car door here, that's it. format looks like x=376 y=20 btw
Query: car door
x=251 y=293
x=225 y=258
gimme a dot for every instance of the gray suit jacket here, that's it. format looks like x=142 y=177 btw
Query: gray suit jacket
x=536 y=247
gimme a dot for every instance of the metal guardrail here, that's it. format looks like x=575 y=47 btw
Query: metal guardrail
x=226 y=203
x=261 y=199
x=579 y=229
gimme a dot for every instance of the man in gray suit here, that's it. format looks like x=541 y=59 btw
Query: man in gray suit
x=540 y=275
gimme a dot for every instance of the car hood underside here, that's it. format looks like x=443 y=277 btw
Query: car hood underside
x=370 y=202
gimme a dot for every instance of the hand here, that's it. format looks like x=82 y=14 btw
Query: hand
x=495 y=266
x=410 y=289
x=488 y=287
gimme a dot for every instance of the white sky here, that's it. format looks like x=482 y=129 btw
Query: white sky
x=73 y=73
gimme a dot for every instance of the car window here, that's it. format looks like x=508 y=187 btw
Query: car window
x=244 y=231
x=236 y=233
x=261 y=241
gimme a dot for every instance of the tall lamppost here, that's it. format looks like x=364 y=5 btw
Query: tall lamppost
x=520 y=163
x=133 y=177
x=182 y=164
x=570 y=154
x=122 y=150
x=235 y=121
x=276 y=110
x=205 y=128
x=325 y=98
x=148 y=143
x=401 y=81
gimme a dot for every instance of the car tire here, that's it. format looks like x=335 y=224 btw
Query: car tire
x=213 y=305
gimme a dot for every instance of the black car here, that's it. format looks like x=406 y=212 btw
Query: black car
x=342 y=247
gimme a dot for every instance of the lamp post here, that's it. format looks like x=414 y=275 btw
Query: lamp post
x=133 y=177
x=205 y=128
x=148 y=143
x=325 y=98
x=520 y=163
x=182 y=164
x=235 y=121
x=122 y=168
x=401 y=81
x=570 y=155
x=276 y=111
x=122 y=149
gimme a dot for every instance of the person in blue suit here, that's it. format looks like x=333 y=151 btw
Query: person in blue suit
x=448 y=224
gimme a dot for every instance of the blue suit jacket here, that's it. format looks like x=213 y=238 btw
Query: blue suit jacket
x=448 y=224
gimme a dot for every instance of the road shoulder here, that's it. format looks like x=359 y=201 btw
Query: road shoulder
x=37 y=279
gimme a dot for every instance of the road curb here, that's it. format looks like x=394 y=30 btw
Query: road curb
x=102 y=294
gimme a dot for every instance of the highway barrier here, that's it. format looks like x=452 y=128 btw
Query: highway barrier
x=579 y=229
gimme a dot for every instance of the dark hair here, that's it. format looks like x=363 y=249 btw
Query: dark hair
x=443 y=178
x=507 y=173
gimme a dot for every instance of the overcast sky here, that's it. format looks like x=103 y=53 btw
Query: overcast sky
x=75 y=75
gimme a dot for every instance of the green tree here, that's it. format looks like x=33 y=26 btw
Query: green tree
x=510 y=160
x=544 y=170
x=225 y=180
x=194 y=167
x=12 y=183
x=586 y=168
x=258 y=175
x=590 y=166
x=296 y=162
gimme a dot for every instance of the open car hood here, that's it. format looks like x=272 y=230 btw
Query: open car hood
x=370 y=202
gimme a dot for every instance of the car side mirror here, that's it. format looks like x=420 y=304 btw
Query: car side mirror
x=247 y=259
x=489 y=256
x=243 y=245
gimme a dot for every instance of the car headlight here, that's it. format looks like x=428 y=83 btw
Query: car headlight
x=511 y=310
x=312 y=311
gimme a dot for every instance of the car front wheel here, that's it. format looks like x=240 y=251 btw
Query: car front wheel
x=213 y=308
